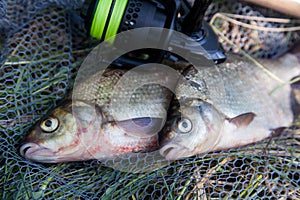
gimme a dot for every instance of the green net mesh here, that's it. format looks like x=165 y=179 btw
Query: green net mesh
x=42 y=44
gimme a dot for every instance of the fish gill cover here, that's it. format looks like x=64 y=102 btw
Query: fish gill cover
x=42 y=46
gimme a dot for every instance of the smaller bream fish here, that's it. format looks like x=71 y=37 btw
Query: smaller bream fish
x=229 y=105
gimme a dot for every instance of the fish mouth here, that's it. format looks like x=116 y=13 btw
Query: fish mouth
x=35 y=152
x=174 y=151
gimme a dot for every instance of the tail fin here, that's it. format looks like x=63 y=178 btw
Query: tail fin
x=295 y=94
x=295 y=97
x=296 y=50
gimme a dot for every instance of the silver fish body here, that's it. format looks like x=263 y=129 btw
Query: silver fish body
x=82 y=134
x=124 y=94
x=229 y=105
x=89 y=127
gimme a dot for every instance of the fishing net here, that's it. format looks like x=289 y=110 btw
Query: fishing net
x=42 y=45
x=259 y=31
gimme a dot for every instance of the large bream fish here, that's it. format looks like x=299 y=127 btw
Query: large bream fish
x=229 y=105
x=111 y=113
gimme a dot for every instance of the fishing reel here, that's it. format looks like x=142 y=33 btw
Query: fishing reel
x=106 y=18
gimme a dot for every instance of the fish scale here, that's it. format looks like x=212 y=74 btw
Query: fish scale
x=150 y=100
x=229 y=105
x=224 y=106
x=111 y=113
x=239 y=86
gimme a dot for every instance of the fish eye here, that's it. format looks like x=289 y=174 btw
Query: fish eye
x=49 y=125
x=183 y=125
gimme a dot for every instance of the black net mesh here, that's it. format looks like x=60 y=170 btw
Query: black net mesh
x=42 y=45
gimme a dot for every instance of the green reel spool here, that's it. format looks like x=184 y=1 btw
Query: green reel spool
x=107 y=13
x=106 y=18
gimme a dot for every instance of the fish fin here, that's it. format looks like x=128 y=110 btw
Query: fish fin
x=277 y=131
x=242 y=120
x=193 y=102
x=295 y=50
x=141 y=127
x=87 y=114
x=295 y=97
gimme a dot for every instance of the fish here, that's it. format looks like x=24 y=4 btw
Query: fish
x=229 y=105
x=63 y=137
x=86 y=126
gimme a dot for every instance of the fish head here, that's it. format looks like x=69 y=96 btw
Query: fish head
x=61 y=136
x=193 y=130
